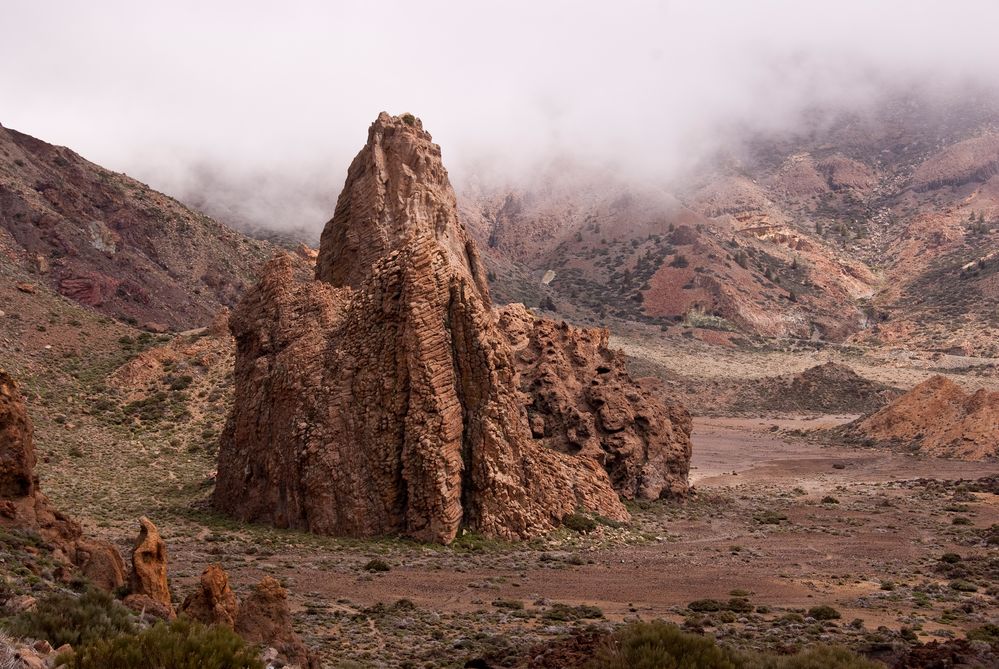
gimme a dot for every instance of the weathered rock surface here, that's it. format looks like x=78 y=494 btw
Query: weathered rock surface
x=214 y=602
x=149 y=565
x=581 y=401
x=264 y=618
x=24 y=506
x=939 y=418
x=388 y=396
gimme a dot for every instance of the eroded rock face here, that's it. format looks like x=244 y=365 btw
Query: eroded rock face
x=581 y=400
x=24 y=506
x=264 y=618
x=214 y=602
x=389 y=397
x=149 y=565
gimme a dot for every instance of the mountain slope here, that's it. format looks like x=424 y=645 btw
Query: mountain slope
x=875 y=228
x=112 y=243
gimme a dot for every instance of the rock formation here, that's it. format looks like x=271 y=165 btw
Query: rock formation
x=148 y=578
x=23 y=506
x=264 y=618
x=939 y=418
x=389 y=397
x=214 y=602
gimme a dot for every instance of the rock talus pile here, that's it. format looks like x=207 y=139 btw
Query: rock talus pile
x=388 y=396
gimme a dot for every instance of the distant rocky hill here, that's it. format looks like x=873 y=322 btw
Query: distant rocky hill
x=939 y=418
x=826 y=388
x=878 y=228
x=112 y=243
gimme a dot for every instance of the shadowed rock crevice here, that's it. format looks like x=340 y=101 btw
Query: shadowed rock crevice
x=388 y=396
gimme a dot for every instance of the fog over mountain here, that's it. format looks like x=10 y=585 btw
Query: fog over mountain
x=252 y=110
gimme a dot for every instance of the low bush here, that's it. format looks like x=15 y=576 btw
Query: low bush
x=705 y=605
x=823 y=613
x=64 y=618
x=565 y=612
x=579 y=522
x=659 y=645
x=988 y=633
x=181 y=644
x=377 y=565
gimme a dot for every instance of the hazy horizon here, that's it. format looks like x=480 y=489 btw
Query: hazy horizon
x=257 y=109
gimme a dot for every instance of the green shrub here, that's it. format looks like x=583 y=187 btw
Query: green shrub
x=820 y=657
x=823 y=613
x=513 y=604
x=769 y=517
x=565 y=612
x=705 y=605
x=377 y=565
x=659 y=645
x=63 y=618
x=950 y=558
x=181 y=644
x=739 y=605
x=579 y=522
x=962 y=585
x=409 y=119
x=988 y=633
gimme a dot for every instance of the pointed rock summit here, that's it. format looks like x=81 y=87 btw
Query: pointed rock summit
x=388 y=396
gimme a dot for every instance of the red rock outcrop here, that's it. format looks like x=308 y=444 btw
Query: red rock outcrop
x=149 y=566
x=264 y=618
x=387 y=397
x=214 y=602
x=938 y=417
x=24 y=506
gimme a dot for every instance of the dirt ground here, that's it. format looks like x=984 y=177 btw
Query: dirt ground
x=756 y=529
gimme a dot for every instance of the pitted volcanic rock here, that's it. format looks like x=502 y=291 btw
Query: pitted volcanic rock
x=389 y=397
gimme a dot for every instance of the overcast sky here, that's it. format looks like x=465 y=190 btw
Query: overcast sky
x=262 y=105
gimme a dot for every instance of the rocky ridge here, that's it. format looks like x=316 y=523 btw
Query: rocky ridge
x=939 y=418
x=112 y=243
x=386 y=396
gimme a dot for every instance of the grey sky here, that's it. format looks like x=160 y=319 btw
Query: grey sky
x=273 y=99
